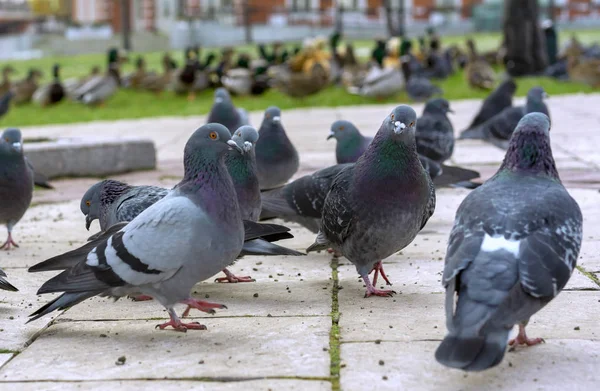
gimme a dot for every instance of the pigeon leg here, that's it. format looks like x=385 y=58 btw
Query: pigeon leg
x=378 y=267
x=8 y=243
x=522 y=338
x=204 y=306
x=178 y=325
x=141 y=298
x=371 y=290
x=232 y=278
x=336 y=254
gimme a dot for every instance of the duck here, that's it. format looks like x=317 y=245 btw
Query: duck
x=155 y=82
x=353 y=72
x=380 y=83
x=5 y=84
x=184 y=78
x=392 y=59
x=299 y=84
x=584 y=70
x=478 y=72
x=101 y=87
x=134 y=79
x=72 y=84
x=24 y=89
x=247 y=78
x=203 y=70
x=51 y=93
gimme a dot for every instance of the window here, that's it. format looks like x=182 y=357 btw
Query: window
x=301 y=5
x=348 y=4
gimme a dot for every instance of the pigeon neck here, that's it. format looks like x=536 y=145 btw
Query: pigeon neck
x=530 y=153
x=242 y=169
x=536 y=105
x=112 y=190
x=349 y=148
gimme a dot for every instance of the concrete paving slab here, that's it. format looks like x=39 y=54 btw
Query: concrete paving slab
x=4 y=357
x=233 y=347
x=166 y=385
x=556 y=365
x=422 y=317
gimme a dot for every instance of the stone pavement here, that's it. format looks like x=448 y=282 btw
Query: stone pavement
x=304 y=324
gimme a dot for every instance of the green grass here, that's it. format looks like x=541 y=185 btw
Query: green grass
x=134 y=104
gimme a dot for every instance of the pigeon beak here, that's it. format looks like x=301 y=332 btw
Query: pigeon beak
x=218 y=100
x=17 y=146
x=234 y=145
x=545 y=95
x=330 y=136
x=248 y=146
x=450 y=110
x=276 y=119
x=88 y=222
x=399 y=127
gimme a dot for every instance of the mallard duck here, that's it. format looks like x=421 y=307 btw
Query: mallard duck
x=24 y=89
x=380 y=83
x=183 y=79
x=423 y=52
x=353 y=72
x=72 y=84
x=134 y=79
x=479 y=73
x=378 y=53
x=6 y=84
x=158 y=82
x=299 y=84
x=392 y=59
x=584 y=70
x=99 y=88
x=51 y=93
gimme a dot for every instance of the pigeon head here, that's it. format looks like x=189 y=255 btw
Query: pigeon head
x=272 y=115
x=245 y=138
x=12 y=137
x=529 y=148
x=206 y=147
x=438 y=105
x=343 y=130
x=222 y=96
x=535 y=101
x=508 y=86
x=90 y=204
x=537 y=94
x=401 y=121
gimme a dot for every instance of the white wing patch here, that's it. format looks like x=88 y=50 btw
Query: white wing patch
x=491 y=244
x=92 y=258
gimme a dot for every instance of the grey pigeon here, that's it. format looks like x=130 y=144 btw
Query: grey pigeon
x=5 y=285
x=378 y=205
x=302 y=200
x=512 y=249
x=498 y=129
x=276 y=158
x=418 y=88
x=351 y=144
x=496 y=101
x=5 y=103
x=16 y=183
x=39 y=179
x=225 y=113
x=186 y=237
x=435 y=133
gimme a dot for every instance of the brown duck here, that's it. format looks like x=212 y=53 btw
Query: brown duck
x=24 y=89
x=479 y=73
x=6 y=84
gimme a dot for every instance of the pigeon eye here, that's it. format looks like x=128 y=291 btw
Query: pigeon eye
x=412 y=123
x=88 y=203
x=213 y=135
x=392 y=117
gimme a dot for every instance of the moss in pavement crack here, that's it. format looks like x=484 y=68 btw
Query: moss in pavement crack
x=334 y=335
x=589 y=275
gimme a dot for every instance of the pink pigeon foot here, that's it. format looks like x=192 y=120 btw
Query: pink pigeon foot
x=336 y=254
x=141 y=298
x=203 y=306
x=522 y=339
x=378 y=268
x=7 y=244
x=178 y=325
x=232 y=278
x=371 y=290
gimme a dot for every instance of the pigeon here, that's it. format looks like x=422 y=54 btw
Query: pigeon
x=39 y=179
x=276 y=158
x=512 y=249
x=225 y=113
x=5 y=103
x=378 y=205
x=5 y=285
x=498 y=129
x=186 y=237
x=352 y=144
x=300 y=201
x=16 y=182
x=497 y=100
x=435 y=133
x=417 y=87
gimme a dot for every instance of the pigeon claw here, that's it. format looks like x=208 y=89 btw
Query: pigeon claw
x=8 y=243
x=379 y=292
x=523 y=339
x=141 y=298
x=200 y=305
x=232 y=278
x=378 y=268
x=180 y=326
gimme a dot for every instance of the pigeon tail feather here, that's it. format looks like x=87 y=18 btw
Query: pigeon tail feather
x=473 y=353
x=62 y=302
x=7 y=286
x=263 y=247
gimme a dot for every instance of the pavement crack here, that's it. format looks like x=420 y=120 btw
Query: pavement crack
x=589 y=275
x=334 y=335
